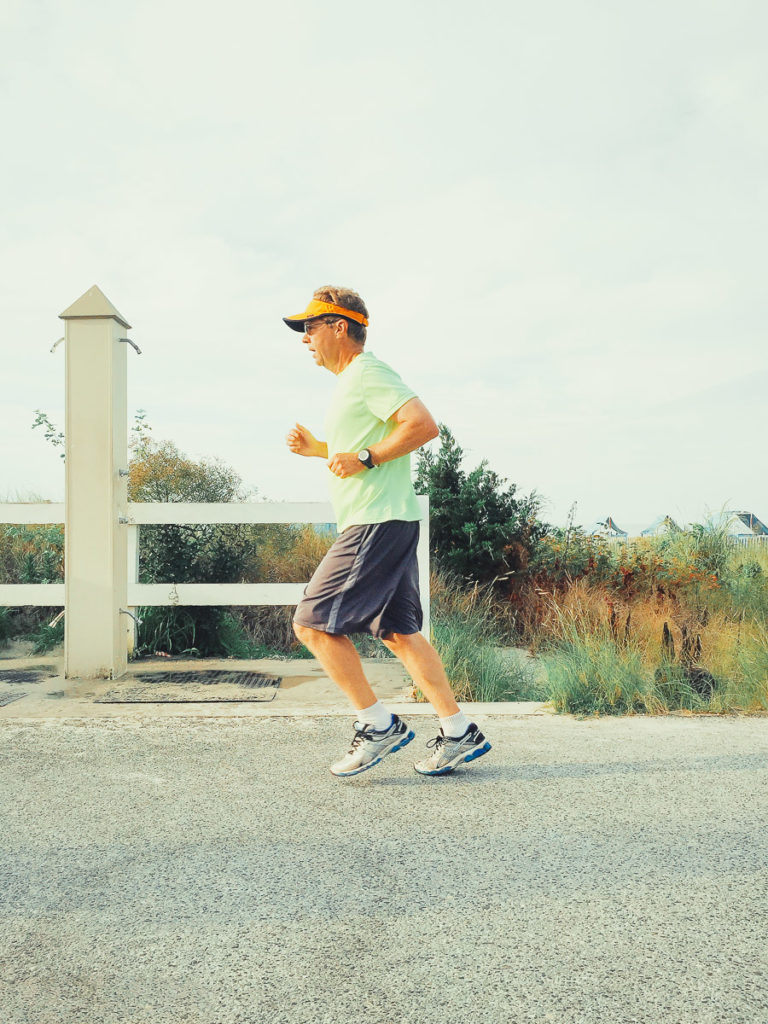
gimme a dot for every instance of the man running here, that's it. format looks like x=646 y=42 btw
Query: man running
x=368 y=581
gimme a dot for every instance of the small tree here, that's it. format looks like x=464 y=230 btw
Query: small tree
x=478 y=528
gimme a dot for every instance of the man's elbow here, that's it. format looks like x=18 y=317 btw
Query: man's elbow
x=430 y=430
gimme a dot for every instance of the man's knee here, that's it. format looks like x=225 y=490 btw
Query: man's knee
x=310 y=636
x=303 y=633
x=398 y=641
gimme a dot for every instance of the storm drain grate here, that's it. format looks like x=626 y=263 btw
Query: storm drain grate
x=210 y=686
x=6 y=698
x=26 y=675
x=209 y=677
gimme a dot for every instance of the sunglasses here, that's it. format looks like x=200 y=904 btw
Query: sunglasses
x=310 y=325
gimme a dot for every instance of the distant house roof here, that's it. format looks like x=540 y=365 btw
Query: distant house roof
x=662 y=524
x=749 y=521
x=607 y=528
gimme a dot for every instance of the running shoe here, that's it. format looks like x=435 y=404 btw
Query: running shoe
x=369 y=746
x=449 y=751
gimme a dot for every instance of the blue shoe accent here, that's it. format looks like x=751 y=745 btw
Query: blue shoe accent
x=478 y=753
x=406 y=740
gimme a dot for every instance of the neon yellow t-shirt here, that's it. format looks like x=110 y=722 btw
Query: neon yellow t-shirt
x=368 y=392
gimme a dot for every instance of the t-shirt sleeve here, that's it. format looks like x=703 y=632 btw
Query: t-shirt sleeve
x=384 y=390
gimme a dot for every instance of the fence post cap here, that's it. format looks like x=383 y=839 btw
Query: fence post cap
x=93 y=305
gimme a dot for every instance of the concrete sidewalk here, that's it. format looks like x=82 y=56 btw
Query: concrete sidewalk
x=176 y=869
x=305 y=690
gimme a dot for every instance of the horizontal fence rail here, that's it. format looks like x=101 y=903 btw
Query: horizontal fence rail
x=208 y=513
x=42 y=595
x=36 y=513
x=199 y=594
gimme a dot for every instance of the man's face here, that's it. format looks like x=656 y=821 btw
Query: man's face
x=321 y=337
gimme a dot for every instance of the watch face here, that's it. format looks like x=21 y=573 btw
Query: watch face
x=363 y=455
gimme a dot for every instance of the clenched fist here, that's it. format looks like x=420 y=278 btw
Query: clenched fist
x=302 y=442
x=345 y=464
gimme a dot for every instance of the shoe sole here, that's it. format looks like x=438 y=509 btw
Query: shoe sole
x=410 y=735
x=462 y=760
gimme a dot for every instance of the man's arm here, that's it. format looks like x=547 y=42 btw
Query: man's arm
x=415 y=426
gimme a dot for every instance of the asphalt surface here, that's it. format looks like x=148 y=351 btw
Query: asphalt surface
x=212 y=870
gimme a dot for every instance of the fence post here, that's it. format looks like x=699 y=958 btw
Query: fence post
x=95 y=494
x=133 y=577
x=422 y=555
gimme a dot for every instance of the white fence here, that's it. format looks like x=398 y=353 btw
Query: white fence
x=140 y=514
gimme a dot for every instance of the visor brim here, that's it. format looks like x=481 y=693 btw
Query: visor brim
x=296 y=323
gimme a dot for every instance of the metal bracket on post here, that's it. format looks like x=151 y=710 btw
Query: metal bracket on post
x=136 y=619
x=129 y=342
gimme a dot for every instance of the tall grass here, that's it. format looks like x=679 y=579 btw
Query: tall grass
x=467 y=637
x=604 y=655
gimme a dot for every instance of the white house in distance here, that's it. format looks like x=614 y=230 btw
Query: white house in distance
x=607 y=528
x=660 y=525
x=743 y=527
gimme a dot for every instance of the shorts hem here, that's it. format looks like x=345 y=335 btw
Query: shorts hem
x=390 y=629
x=318 y=627
x=381 y=632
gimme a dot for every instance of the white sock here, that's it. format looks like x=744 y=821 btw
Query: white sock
x=456 y=725
x=377 y=716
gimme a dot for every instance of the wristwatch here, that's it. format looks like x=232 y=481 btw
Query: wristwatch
x=366 y=458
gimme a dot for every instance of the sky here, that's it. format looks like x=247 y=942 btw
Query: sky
x=556 y=214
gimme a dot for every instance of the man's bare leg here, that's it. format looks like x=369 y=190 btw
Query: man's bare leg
x=341 y=661
x=425 y=668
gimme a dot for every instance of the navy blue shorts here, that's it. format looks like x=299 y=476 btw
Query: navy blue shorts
x=368 y=582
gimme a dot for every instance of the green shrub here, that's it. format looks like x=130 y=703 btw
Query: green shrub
x=479 y=530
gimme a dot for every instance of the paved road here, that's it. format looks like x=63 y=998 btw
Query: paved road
x=197 y=870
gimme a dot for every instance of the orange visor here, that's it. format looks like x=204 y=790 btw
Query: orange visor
x=316 y=308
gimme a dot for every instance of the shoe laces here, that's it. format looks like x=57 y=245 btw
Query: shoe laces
x=437 y=743
x=364 y=733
